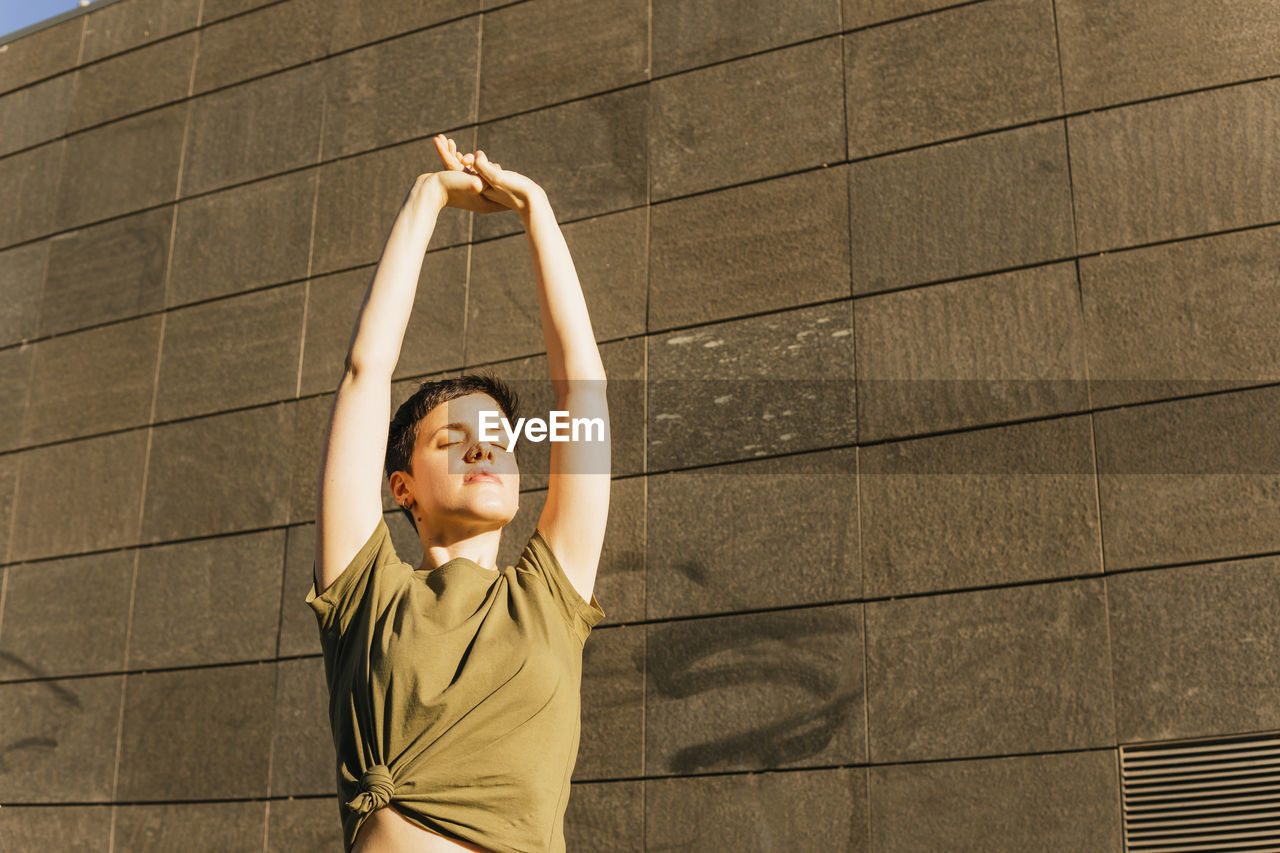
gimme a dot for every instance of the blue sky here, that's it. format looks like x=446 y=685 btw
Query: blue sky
x=16 y=14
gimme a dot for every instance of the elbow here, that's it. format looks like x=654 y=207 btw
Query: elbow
x=582 y=383
x=355 y=365
x=587 y=371
x=351 y=365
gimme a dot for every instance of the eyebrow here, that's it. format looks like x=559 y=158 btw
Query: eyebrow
x=461 y=425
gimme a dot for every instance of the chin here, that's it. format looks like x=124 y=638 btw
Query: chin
x=491 y=512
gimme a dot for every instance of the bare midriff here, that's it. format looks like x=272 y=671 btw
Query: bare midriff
x=385 y=830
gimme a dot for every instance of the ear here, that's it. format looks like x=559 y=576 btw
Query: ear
x=400 y=489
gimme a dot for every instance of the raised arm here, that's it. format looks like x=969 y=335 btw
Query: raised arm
x=349 y=490
x=577 y=507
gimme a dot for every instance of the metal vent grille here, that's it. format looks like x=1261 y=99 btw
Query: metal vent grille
x=1215 y=794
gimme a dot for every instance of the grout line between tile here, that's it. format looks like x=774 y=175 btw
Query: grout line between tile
x=311 y=251
x=1106 y=589
x=471 y=217
x=271 y=746
x=186 y=123
x=151 y=429
x=124 y=688
x=24 y=424
x=1066 y=138
x=80 y=49
x=4 y=588
x=13 y=512
x=844 y=77
x=646 y=338
x=302 y=341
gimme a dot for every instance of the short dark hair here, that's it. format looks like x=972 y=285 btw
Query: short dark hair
x=403 y=432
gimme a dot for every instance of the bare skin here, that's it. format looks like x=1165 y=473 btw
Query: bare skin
x=458 y=513
x=388 y=831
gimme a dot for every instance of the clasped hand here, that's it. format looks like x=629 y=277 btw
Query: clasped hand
x=472 y=182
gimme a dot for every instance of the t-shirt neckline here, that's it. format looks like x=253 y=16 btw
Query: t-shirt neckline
x=466 y=561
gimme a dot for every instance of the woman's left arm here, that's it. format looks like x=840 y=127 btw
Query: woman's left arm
x=577 y=506
x=572 y=354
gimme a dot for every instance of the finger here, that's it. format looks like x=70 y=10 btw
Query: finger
x=484 y=167
x=442 y=149
x=448 y=153
x=458 y=158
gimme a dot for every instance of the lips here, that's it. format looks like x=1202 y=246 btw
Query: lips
x=480 y=477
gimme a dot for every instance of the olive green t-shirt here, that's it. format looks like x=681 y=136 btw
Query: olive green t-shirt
x=454 y=693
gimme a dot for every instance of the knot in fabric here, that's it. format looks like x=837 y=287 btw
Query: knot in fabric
x=376 y=788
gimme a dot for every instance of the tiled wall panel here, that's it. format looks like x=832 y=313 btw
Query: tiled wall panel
x=403 y=88
x=121 y=167
x=541 y=53
x=1064 y=801
x=126 y=25
x=988 y=65
x=691 y=33
x=35 y=113
x=132 y=82
x=109 y=272
x=1010 y=670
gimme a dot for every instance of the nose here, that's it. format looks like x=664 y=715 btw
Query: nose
x=480 y=451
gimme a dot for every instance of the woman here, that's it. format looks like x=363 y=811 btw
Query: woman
x=454 y=685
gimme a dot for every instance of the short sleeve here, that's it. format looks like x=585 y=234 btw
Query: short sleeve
x=581 y=615
x=337 y=605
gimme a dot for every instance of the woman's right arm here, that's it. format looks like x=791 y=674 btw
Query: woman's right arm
x=349 y=490
x=379 y=330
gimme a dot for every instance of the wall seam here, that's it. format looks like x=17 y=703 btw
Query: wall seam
x=124 y=688
x=311 y=252
x=644 y=431
x=80 y=48
x=471 y=216
x=15 y=493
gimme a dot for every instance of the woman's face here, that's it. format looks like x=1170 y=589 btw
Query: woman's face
x=448 y=456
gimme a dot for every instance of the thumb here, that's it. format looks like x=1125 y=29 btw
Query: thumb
x=483 y=165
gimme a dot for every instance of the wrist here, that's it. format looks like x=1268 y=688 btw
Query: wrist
x=428 y=196
x=535 y=201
